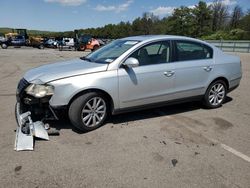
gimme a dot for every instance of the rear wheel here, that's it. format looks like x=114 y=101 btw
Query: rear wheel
x=89 y=111
x=215 y=94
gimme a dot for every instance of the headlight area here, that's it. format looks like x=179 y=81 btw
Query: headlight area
x=40 y=91
x=35 y=99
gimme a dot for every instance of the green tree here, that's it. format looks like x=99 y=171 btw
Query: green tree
x=145 y=25
x=236 y=16
x=181 y=22
x=202 y=19
x=244 y=23
x=219 y=15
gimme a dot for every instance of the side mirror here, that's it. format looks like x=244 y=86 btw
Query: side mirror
x=131 y=62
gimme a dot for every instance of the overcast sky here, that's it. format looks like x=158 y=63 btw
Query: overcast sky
x=63 y=15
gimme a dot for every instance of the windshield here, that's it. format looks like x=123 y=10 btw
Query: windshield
x=85 y=38
x=111 y=51
x=19 y=37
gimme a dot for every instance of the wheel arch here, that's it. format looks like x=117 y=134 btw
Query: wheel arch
x=106 y=94
x=223 y=79
x=95 y=47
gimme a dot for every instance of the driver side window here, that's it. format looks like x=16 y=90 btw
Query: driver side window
x=154 y=53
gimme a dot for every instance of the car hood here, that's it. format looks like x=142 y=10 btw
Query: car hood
x=55 y=71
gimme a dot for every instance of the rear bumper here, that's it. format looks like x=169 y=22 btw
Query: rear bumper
x=232 y=88
x=233 y=84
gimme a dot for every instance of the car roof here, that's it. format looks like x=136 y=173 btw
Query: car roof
x=145 y=38
x=152 y=37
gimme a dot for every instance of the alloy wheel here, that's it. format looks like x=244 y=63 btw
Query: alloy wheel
x=93 y=111
x=216 y=94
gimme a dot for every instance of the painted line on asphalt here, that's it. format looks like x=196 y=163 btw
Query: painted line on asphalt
x=235 y=152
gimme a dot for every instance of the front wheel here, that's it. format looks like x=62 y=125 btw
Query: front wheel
x=215 y=94
x=4 y=46
x=41 y=46
x=60 y=47
x=82 y=48
x=89 y=111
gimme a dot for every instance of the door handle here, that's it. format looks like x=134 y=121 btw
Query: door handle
x=169 y=73
x=207 y=68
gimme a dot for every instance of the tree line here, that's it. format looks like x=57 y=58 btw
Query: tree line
x=203 y=21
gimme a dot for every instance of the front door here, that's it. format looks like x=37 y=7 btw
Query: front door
x=152 y=81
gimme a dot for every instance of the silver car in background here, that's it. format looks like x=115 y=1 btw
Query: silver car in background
x=128 y=74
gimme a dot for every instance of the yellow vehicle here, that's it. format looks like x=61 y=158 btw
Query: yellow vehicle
x=37 y=42
x=10 y=35
x=16 y=32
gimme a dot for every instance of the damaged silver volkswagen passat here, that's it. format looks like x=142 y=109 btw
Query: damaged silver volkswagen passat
x=127 y=74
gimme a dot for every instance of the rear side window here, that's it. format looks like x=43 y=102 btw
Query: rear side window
x=188 y=50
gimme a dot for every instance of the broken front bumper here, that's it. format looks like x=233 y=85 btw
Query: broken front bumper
x=29 y=109
x=27 y=130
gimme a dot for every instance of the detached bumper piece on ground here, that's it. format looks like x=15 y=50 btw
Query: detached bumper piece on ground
x=27 y=130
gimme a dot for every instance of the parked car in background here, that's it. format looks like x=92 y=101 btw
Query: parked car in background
x=18 y=41
x=3 y=41
x=2 y=38
x=50 y=43
x=66 y=43
x=129 y=74
x=16 y=38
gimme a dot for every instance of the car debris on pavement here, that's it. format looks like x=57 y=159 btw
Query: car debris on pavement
x=27 y=130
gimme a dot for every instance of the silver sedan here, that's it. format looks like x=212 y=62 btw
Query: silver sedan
x=129 y=74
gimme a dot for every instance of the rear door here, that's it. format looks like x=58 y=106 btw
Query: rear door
x=150 y=82
x=193 y=67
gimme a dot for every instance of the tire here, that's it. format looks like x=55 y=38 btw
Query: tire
x=84 y=115
x=82 y=48
x=4 y=46
x=95 y=48
x=41 y=46
x=215 y=94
